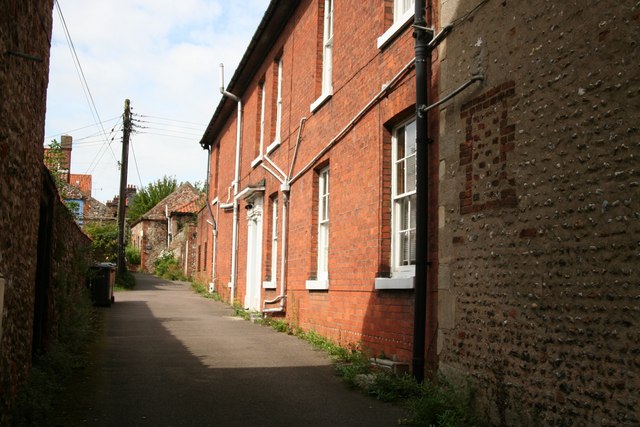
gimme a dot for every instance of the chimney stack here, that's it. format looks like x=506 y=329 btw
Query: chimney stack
x=66 y=141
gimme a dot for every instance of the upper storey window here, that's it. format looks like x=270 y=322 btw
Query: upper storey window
x=403 y=11
x=326 y=61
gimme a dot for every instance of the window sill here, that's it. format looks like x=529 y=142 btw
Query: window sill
x=275 y=144
x=256 y=161
x=394 y=283
x=269 y=285
x=320 y=101
x=395 y=29
x=317 y=285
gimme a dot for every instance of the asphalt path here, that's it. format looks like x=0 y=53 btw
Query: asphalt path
x=170 y=357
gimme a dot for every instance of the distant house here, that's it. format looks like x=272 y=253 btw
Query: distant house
x=183 y=233
x=155 y=230
x=76 y=188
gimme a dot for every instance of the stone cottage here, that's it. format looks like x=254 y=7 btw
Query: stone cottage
x=156 y=229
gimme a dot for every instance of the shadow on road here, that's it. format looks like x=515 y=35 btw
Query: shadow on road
x=172 y=358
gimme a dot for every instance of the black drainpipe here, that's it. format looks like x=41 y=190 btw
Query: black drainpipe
x=423 y=143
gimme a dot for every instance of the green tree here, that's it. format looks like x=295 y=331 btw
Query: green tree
x=54 y=159
x=150 y=195
x=105 y=241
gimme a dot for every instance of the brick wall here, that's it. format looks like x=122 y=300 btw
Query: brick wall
x=42 y=250
x=539 y=225
x=25 y=28
x=351 y=311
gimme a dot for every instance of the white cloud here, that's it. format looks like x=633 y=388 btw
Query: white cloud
x=161 y=54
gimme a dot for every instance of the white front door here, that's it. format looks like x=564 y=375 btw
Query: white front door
x=254 y=255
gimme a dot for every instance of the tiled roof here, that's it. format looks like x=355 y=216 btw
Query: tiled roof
x=183 y=195
x=193 y=206
x=83 y=182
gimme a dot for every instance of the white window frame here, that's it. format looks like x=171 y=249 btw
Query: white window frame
x=262 y=93
x=276 y=141
x=322 y=269
x=274 y=246
x=327 y=56
x=327 y=48
x=400 y=20
x=401 y=8
x=402 y=274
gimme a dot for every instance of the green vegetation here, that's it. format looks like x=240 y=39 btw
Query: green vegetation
x=439 y=404
x=67 y=355
x=132 y=255
x=55 y=160
x=126 y=282
x=239 y=311
x=149 y=196
x=167 y=267
x=444 y=404
x=202 y=290
x=105 y=241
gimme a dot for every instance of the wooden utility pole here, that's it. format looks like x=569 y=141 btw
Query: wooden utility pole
x=122 y=201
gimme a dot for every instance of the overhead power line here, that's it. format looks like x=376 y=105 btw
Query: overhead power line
x=83 y=80
x=172 y=120
x=70 y=132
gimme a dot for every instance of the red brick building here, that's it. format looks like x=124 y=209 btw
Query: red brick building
x=533 y=193
x=324 y=102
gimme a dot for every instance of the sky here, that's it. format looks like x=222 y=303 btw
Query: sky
x=162 y=55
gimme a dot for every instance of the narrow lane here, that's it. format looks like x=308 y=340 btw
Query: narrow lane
x=172 y=358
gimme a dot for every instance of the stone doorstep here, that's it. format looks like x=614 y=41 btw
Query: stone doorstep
x=398 y=368
x=255 y=316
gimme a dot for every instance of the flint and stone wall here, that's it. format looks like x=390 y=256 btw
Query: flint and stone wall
x=34 y=258
x=539 y=210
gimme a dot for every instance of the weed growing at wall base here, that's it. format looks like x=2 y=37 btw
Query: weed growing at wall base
x=201 y=289
x=37 y=402
x=125 y=282
x=441 y=405
x=168 y=267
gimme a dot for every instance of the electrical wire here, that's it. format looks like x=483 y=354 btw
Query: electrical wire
x=171 y=120
x=168 y=136
x=161 y=126
x=70 y=132
x=172 y=126
x=135 y=161
x=83 y=79
x=100 y=154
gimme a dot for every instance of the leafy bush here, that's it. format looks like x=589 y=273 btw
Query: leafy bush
x=444 y=405
x=149 y=196
x=104 y=241
x=167 y=267
x=67 y=356
x=126 y=281
x=132 y=255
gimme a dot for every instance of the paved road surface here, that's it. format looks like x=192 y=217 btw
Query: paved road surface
x=172 y=358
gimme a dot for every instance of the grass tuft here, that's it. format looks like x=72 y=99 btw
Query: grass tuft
x=202 y=290
x=126 y=282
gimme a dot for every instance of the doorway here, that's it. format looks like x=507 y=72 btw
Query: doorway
x=254 y=253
